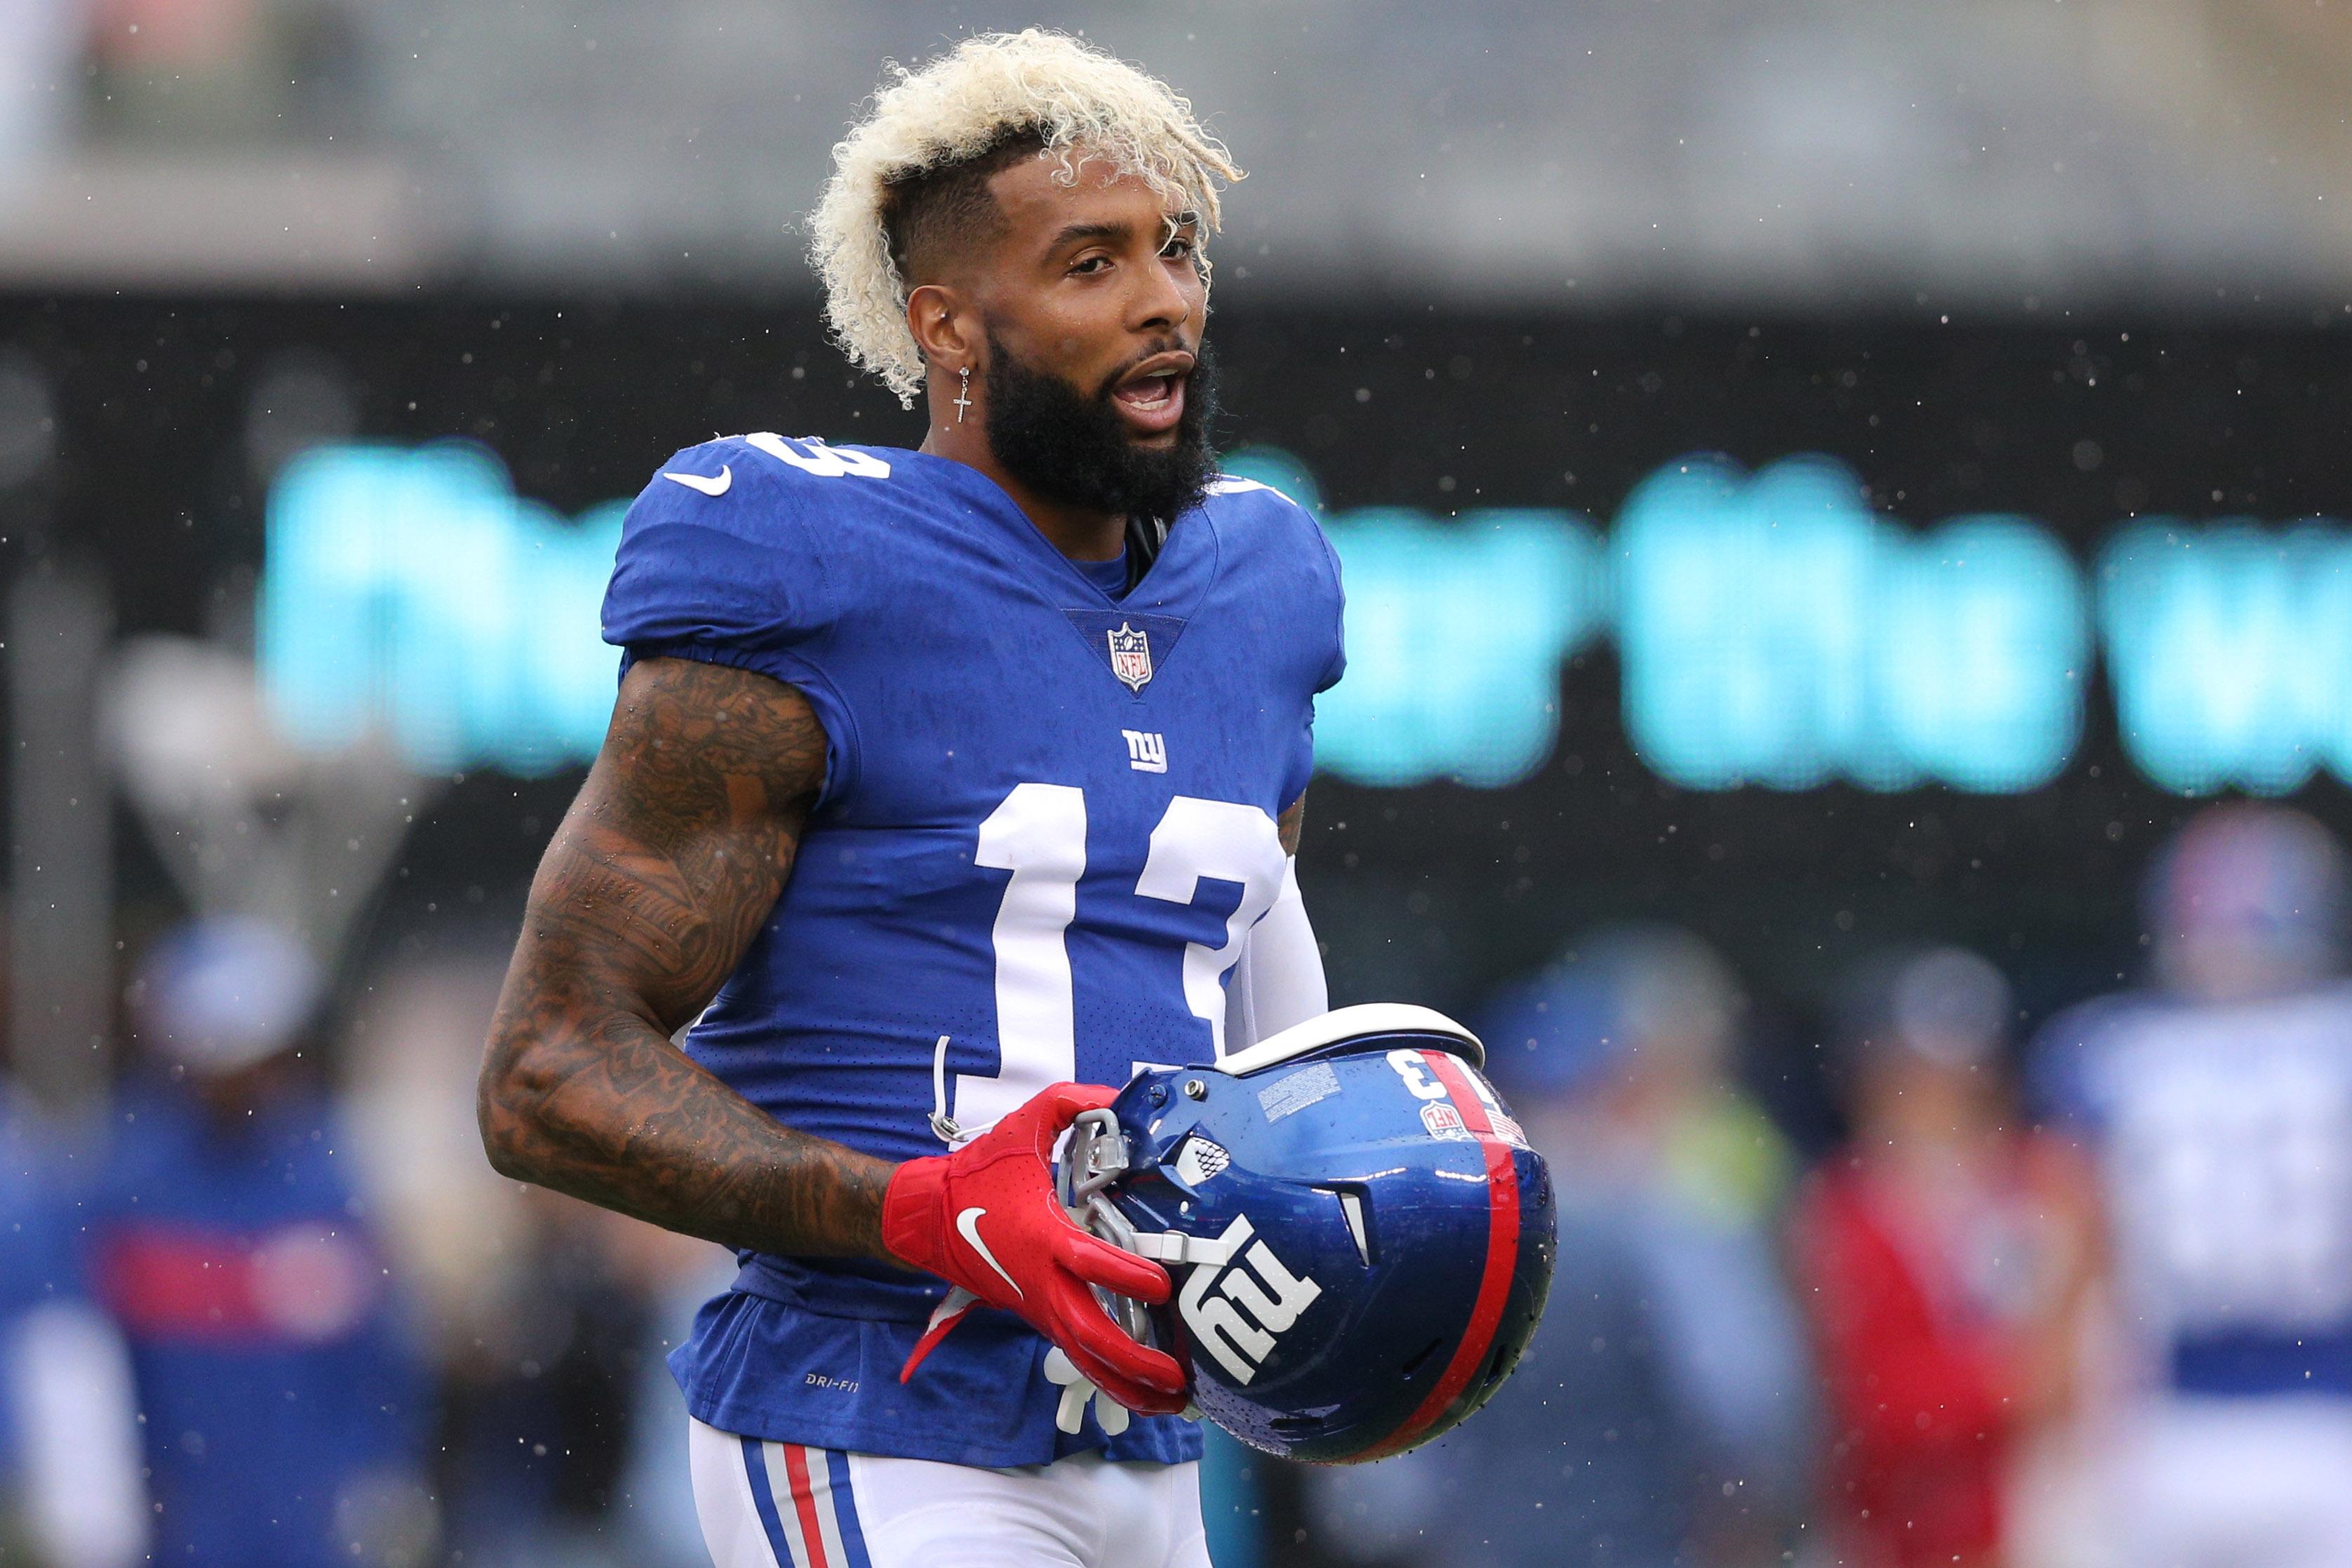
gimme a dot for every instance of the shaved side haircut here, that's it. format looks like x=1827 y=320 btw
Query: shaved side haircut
x=934 y=215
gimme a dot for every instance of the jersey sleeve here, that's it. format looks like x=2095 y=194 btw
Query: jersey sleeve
x=1292 y=569
x=738 y=578
x=1325 y=621
x=1337 y=666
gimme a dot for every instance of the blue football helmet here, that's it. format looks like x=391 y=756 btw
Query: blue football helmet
x=1359 y=1238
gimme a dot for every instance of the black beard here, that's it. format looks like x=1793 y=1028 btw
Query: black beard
x=1075 y=449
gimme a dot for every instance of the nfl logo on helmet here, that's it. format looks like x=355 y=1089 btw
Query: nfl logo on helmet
x=1131 y=656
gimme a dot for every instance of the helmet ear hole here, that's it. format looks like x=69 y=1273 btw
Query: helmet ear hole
x=1199 y=1160
x=1351 y=1209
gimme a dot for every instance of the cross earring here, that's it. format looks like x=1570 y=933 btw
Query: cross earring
x=963 y=392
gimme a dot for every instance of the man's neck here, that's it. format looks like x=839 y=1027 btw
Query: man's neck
x=1082 y=534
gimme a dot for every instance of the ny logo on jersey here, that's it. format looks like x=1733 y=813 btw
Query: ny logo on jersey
x=1147 y=752
x=1131 y=656
x=1236 y=1312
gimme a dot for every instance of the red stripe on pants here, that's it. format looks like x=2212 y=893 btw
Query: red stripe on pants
x=804 y=1505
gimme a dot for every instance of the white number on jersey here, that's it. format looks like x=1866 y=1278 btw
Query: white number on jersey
x=1039 y=834
x=2231 y=1170
x=812 y=455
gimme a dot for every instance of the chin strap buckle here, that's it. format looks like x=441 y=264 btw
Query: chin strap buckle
x=944 y=1128
x=1071 y=1413
x=1176 y=1247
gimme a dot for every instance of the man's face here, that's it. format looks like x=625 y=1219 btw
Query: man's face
x=1097 y=391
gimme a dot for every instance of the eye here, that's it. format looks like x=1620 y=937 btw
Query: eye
x=1089 y=264
x=1178 y=249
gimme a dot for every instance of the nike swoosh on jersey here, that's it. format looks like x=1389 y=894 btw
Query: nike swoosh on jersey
x=967 y=1226
x=703 y=482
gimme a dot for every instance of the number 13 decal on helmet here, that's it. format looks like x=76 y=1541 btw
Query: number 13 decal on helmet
x=1438 y=1112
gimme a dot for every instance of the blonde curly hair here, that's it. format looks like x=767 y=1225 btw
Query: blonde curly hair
x=1080 y=103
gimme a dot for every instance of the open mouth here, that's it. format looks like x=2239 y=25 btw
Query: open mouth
x=1151 y=398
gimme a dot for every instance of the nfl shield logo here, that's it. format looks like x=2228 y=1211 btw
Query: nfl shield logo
x=1443 y=1121
x=1131 y=656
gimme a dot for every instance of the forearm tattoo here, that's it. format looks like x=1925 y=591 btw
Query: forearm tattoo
x=662 y=872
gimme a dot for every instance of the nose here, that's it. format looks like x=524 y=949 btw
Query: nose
x=1164 y=301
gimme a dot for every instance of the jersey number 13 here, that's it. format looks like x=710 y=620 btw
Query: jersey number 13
x=1039 y=834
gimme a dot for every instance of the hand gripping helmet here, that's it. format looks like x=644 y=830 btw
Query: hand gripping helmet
x=1359 y=1238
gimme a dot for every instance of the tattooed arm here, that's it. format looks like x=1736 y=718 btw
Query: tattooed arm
x=663 y=869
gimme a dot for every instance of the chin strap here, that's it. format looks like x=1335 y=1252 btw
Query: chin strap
x=1176 y=1247
x=1145 y=538
x=944 y=1127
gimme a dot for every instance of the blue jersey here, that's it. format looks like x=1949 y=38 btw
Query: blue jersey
x=276 y=1380
x=37 y=1263
x=1046 y=826
x=2224 y=1137
x=37 y=1267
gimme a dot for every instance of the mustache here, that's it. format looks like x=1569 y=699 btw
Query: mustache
x=1149 y=351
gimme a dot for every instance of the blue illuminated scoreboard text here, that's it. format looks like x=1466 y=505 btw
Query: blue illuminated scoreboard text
x=1770 y=628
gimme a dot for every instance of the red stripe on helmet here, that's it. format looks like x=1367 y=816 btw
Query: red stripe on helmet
x=1502 y=1258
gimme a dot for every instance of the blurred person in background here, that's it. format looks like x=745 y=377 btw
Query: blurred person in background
x=71 y=1494
x=1661 y=1414
x=282 y=1402
x=544 y=1458
x=560 y=1438
x=652 y=1497
x=540 y=1319
x=1944 y=1255
x=2218 y=1102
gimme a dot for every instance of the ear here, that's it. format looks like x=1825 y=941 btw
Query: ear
x=944 y=325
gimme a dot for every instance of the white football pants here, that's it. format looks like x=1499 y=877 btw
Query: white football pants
x=780 y=1505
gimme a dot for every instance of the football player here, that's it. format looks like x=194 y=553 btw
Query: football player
x=2218 y=1103
x=945 y=786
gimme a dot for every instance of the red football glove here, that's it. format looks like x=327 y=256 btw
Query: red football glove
x=985 y=1218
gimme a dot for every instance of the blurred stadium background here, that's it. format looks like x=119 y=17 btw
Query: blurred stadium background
x=1827 y=492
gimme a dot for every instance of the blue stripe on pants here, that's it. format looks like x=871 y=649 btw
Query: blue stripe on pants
x=764 y=1498
x=844 y=1508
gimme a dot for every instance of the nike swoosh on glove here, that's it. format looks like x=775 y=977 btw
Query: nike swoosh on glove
x=985 y=1219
